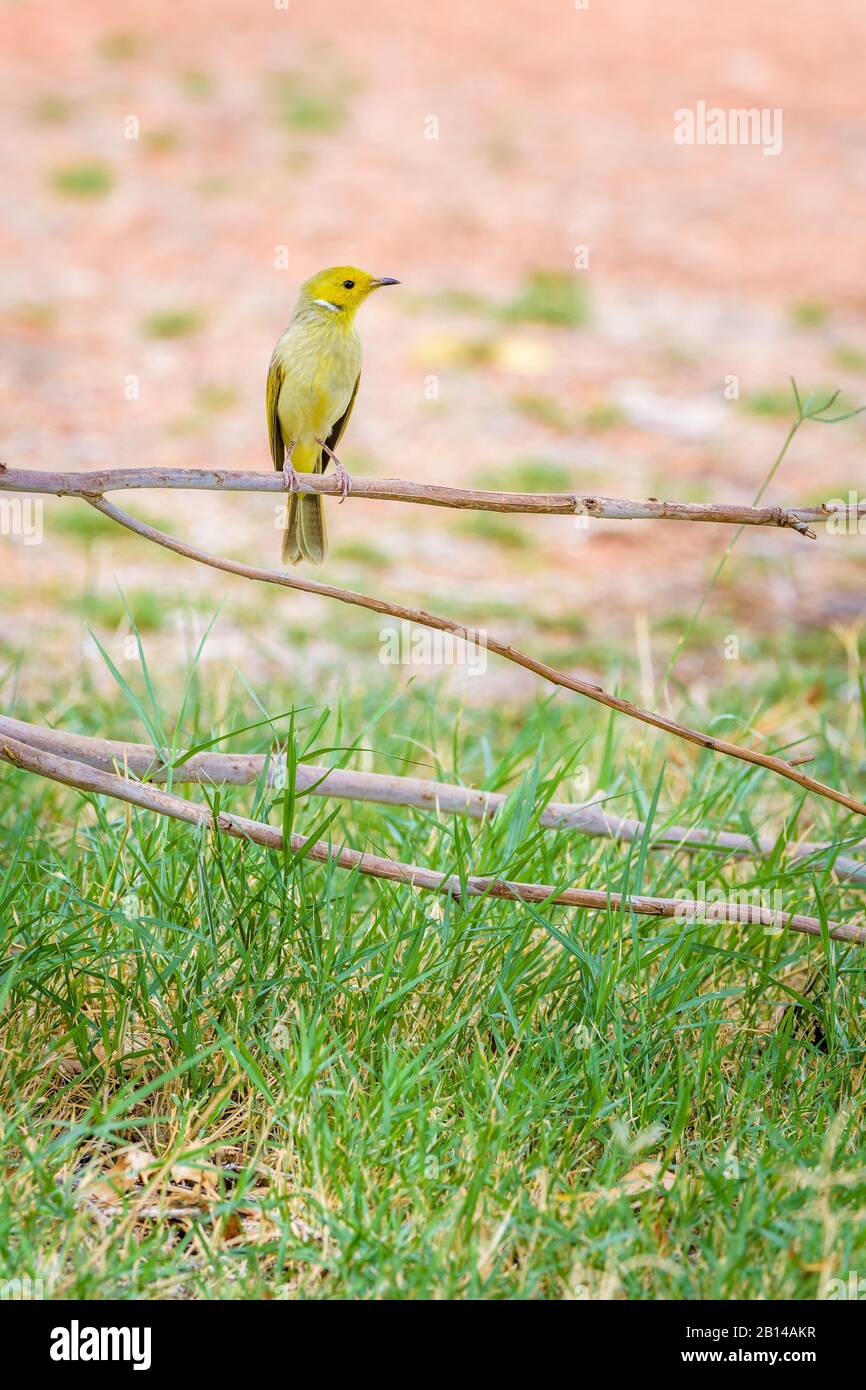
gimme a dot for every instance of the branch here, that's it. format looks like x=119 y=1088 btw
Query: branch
x=95 y=483
x=240 y=769
x=88 y=779
x=483 y=640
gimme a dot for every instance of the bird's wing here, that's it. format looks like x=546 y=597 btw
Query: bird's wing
x=275 y=435
x=337 y=430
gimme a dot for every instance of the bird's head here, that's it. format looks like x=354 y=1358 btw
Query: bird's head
x=340 y=290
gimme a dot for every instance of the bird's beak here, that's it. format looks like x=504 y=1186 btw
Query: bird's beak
x=385 y=280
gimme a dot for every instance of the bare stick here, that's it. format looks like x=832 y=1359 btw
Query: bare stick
x=382 y=789
x=95 y=483
x=89 y=779
x=482 y=640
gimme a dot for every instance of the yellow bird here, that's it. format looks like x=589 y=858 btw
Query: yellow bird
x=312 y=384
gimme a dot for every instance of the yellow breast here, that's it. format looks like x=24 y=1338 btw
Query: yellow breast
x=320 y=364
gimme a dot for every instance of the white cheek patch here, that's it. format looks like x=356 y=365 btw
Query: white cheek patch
x=326 y=304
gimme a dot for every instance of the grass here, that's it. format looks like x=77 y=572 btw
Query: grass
x=362 y=552
x=849 y=358
x=109 y=610
x=163 y=140
x=809 y=313
x=604 y=415
x=86 y=180
x=122 y=46
x=544 y=410
x=548 y=296
x=172 y=323
x=532 y=474
x=498 y=530
x=196 y=83
x=52 y=108
x=85 y=526
x=309 y=107
x=776 y=401
x=229 y=1073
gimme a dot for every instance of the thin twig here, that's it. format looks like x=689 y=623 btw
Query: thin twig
x=481 y=639
x=92 y=780
x=95 y=483
x=383 y=789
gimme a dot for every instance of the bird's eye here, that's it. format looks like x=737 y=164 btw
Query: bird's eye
x=348 y=284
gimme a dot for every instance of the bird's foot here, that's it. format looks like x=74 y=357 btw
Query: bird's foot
x=290 y=476
x=344 y=477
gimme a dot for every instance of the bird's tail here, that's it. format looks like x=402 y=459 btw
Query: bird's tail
x=305 y=537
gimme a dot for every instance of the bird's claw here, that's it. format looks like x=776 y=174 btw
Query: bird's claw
x=344 y=477
x=290 y=477
x=345 y=480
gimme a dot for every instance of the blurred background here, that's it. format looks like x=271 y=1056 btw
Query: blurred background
x=585 y=305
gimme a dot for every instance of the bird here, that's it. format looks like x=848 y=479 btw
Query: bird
x=312 y=385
